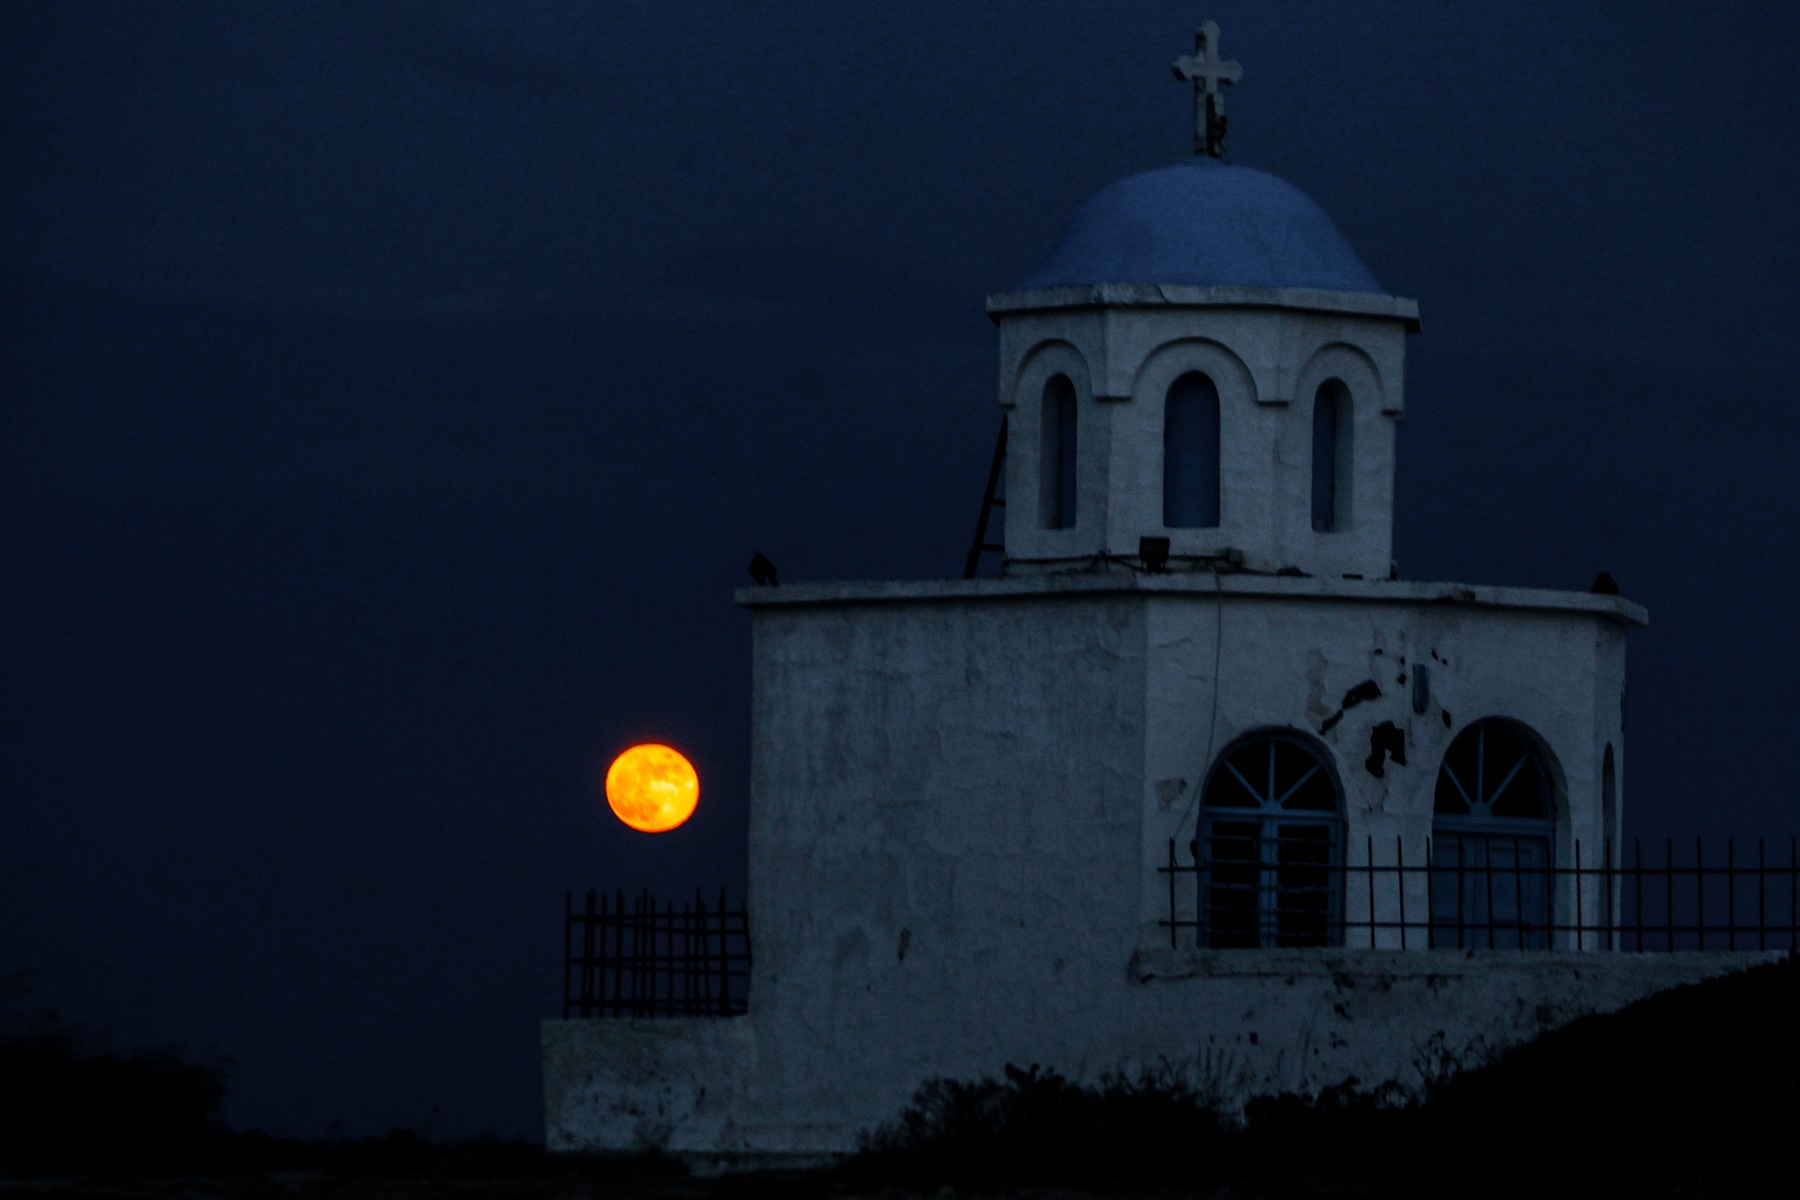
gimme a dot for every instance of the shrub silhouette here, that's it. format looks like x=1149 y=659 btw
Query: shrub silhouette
x=1036 y=1127
x=1694 y=1091
x=66 y=1109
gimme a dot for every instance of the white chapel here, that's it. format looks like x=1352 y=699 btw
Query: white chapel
x=1197 y=781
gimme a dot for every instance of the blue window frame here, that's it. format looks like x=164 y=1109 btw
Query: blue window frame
x=1270 y=847
x=1493 y=833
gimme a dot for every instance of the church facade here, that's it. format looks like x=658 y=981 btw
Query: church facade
x=1197 y=783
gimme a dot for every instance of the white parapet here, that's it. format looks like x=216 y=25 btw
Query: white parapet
x=625 y=1084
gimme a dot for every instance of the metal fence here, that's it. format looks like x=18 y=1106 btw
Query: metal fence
x=1491 y=892
x=651 y=959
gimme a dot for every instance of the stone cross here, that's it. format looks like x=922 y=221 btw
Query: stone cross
x=1208 y=71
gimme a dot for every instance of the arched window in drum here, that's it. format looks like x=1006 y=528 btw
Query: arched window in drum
x=1191 y=453
x=1057 y=457
x=1334 y=426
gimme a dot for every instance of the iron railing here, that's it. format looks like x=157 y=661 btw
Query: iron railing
x=1503 y=898
x=654 y=959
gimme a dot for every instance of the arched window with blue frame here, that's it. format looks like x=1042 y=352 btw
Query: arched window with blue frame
x=1269 y=849
x=1057 y=455
x=1191 y=453
x=1493 y=830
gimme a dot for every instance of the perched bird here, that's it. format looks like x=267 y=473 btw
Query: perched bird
x=1605 y=585
x=762 y=570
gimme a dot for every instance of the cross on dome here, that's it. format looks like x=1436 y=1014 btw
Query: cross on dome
x=1207 y=71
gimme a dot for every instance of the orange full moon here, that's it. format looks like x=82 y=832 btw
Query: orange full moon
x=652 y=788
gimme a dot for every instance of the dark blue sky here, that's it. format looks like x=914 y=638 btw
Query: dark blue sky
x=393 y=395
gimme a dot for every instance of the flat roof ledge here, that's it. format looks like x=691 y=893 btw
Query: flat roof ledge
x=1173 y=295
x=1388 y=591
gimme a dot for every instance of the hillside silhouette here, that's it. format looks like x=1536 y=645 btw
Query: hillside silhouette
x=1694 y=1092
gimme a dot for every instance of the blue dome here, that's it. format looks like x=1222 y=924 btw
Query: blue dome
x=1204 y=223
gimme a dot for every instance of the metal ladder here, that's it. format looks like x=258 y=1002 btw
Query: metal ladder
x=989 y=503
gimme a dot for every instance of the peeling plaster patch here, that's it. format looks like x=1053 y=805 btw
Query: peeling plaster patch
x=905 y=941
x=1330 y=722
x=1168 y=791
x=1368 y=689
x=1445 y=713
x=1386 y=740
x=1315 y=683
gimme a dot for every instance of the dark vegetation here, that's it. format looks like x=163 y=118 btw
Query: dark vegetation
x=1692 y=1092
x=1695 y=1092
x=63 y=1105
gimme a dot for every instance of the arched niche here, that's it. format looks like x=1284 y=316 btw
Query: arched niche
x=1352 y=365
x=1353 y=517
x=1191 y=463
x=1235 y=462
x=1049 y=373
x=1059 y=454
x=1333 y=456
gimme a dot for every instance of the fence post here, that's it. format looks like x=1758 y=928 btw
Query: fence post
x=1669 y=893
x=640 y=981
x=1699 y=891
x=1172 y=934
x=1606 y=855
x=687 y=959
x=725 y=958
x=586 y=975
x=1580 y=933
x=703 y=988
x=1430 y=914
x=1369 y=871
x=1731 y=893
x=1637 y=845
x=1400 y=884
x=1519 y=895
x=1762 y=908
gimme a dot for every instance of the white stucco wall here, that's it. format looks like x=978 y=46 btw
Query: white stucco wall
x=670 y=1084
x=1267 y=351
x=961 y=793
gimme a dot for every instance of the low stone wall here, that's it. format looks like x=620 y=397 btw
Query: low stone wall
x=1302 y=1021
x=670 y=1084
x=1236 y=1024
